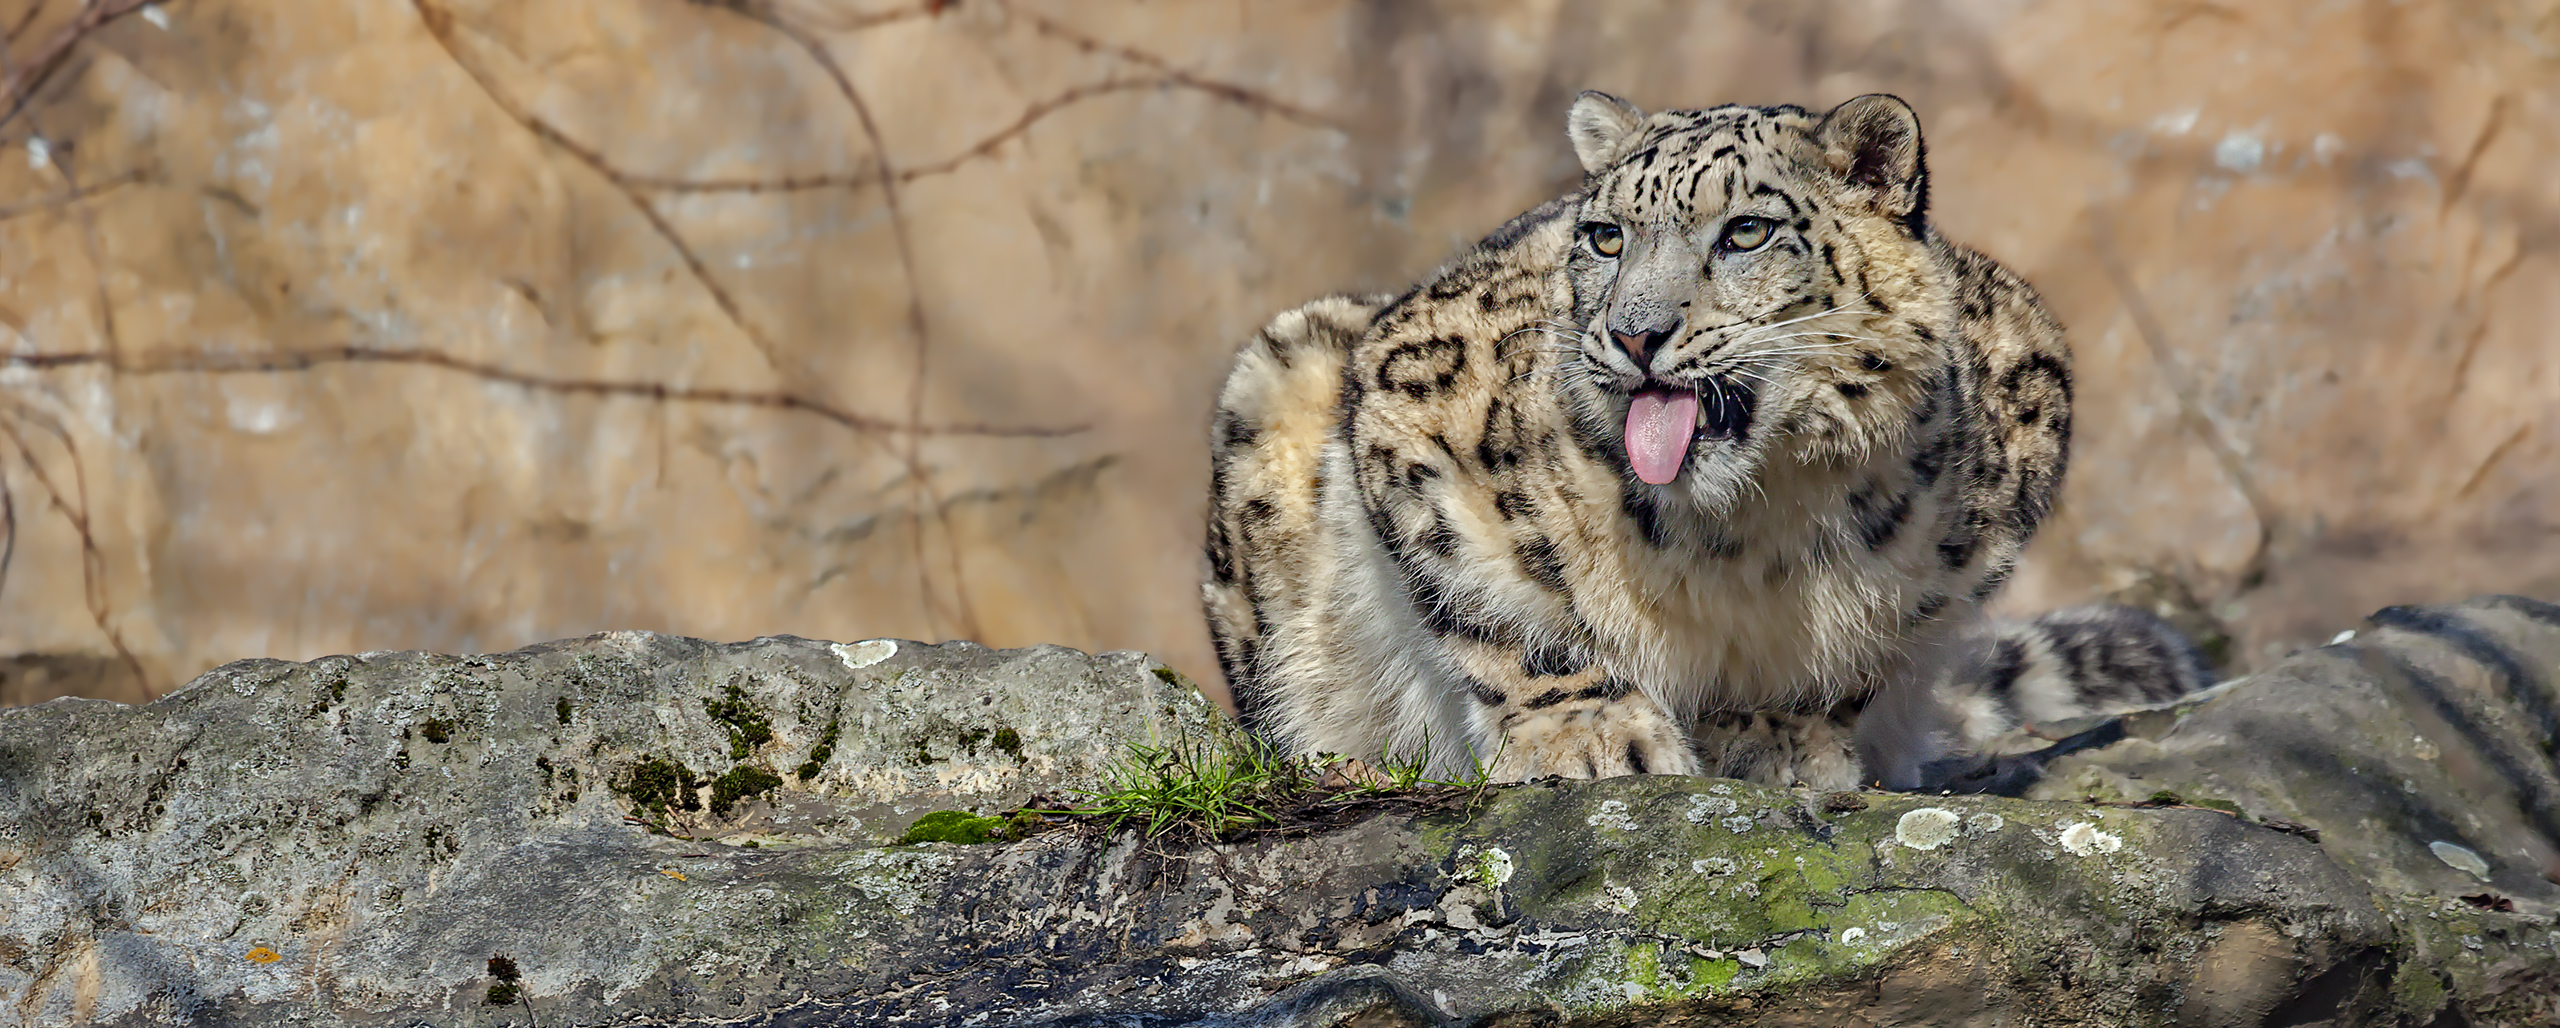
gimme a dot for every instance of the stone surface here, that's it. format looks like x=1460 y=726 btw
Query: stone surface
x=353 y=839
x=464 y=324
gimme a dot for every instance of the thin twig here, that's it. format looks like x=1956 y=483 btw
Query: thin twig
x=93 y=560
x=440 y=24
x=918 y=327
x=69 y=197
x=1243 y=95
x=2190 y=409
x=306 y=359
x=21 y=83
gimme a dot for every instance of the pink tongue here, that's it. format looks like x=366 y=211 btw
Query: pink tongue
x=1659 y=425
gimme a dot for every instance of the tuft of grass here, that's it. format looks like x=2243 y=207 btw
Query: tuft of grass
x=1213 y=790
x=1227 y=785
x=505 y=990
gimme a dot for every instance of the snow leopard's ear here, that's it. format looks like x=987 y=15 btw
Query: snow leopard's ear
x=1873 y=143
x=1603 y=128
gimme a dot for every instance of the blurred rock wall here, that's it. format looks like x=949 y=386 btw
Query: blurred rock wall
x=343 y=325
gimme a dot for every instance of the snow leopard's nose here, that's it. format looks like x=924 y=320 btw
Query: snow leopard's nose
x=1640 y=343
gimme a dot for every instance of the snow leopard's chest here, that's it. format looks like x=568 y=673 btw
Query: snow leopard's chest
x=1503 y=515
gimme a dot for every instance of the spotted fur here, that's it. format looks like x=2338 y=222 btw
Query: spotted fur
x=1426 y=531
x=2067 y=664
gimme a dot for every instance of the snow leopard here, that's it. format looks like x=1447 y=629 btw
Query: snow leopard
x=1706 y=467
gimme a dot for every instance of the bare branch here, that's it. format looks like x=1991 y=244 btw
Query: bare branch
x=2191 y=412
x=93 y=560
x=24 y=20
x=1030 y=116
x=22 y=81
x=784 y=184
x=307 y=359
x=917 y=326
x=69 y=197
x=1246 y=96
x=440 y=25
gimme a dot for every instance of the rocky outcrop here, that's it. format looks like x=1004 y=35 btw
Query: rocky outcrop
x=648 y=829
x=337 y=325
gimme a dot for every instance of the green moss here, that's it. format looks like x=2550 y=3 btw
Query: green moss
x=1712 y=975
x=2166 y=798
x=1172 y=677
x=561 y=709
x=748 y=727
x=2417 y=991
x=656 y=785
x=1644 y=967
x=742 y=782
x=958 y=826
x=1010 y=742
x=504 y=994
x=336 y=694
x=819 y=754
x=436 y=729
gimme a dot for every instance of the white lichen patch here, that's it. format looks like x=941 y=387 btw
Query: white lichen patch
x=2084 y=839
x=1927 y=828
x=1490 y=866
x=857 y=656
x=1612 y=814
x=1738 y=823
x=895 y=877
x=1622 y=899
x=1852 y=936
x=2460 y=858
x=1984 y=823
x=1703 y=809
x=2242 y=152
x=1714 y=866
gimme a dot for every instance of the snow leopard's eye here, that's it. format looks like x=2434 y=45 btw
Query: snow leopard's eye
x=1742 y=234
x=1606 y=239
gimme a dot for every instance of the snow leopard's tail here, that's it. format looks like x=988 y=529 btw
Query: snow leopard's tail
x=2066 y=664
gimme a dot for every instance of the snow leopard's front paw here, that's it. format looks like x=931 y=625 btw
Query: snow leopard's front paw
x=1592 y=737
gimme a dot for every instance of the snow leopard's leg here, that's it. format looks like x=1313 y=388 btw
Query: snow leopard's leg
x=1541 y=711
x=1273 y=417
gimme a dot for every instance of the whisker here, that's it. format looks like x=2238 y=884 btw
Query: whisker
x=1791 y=351
x=1804 y=318
x=1817 y=335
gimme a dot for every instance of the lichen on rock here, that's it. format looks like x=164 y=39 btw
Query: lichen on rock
x=703 y=886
